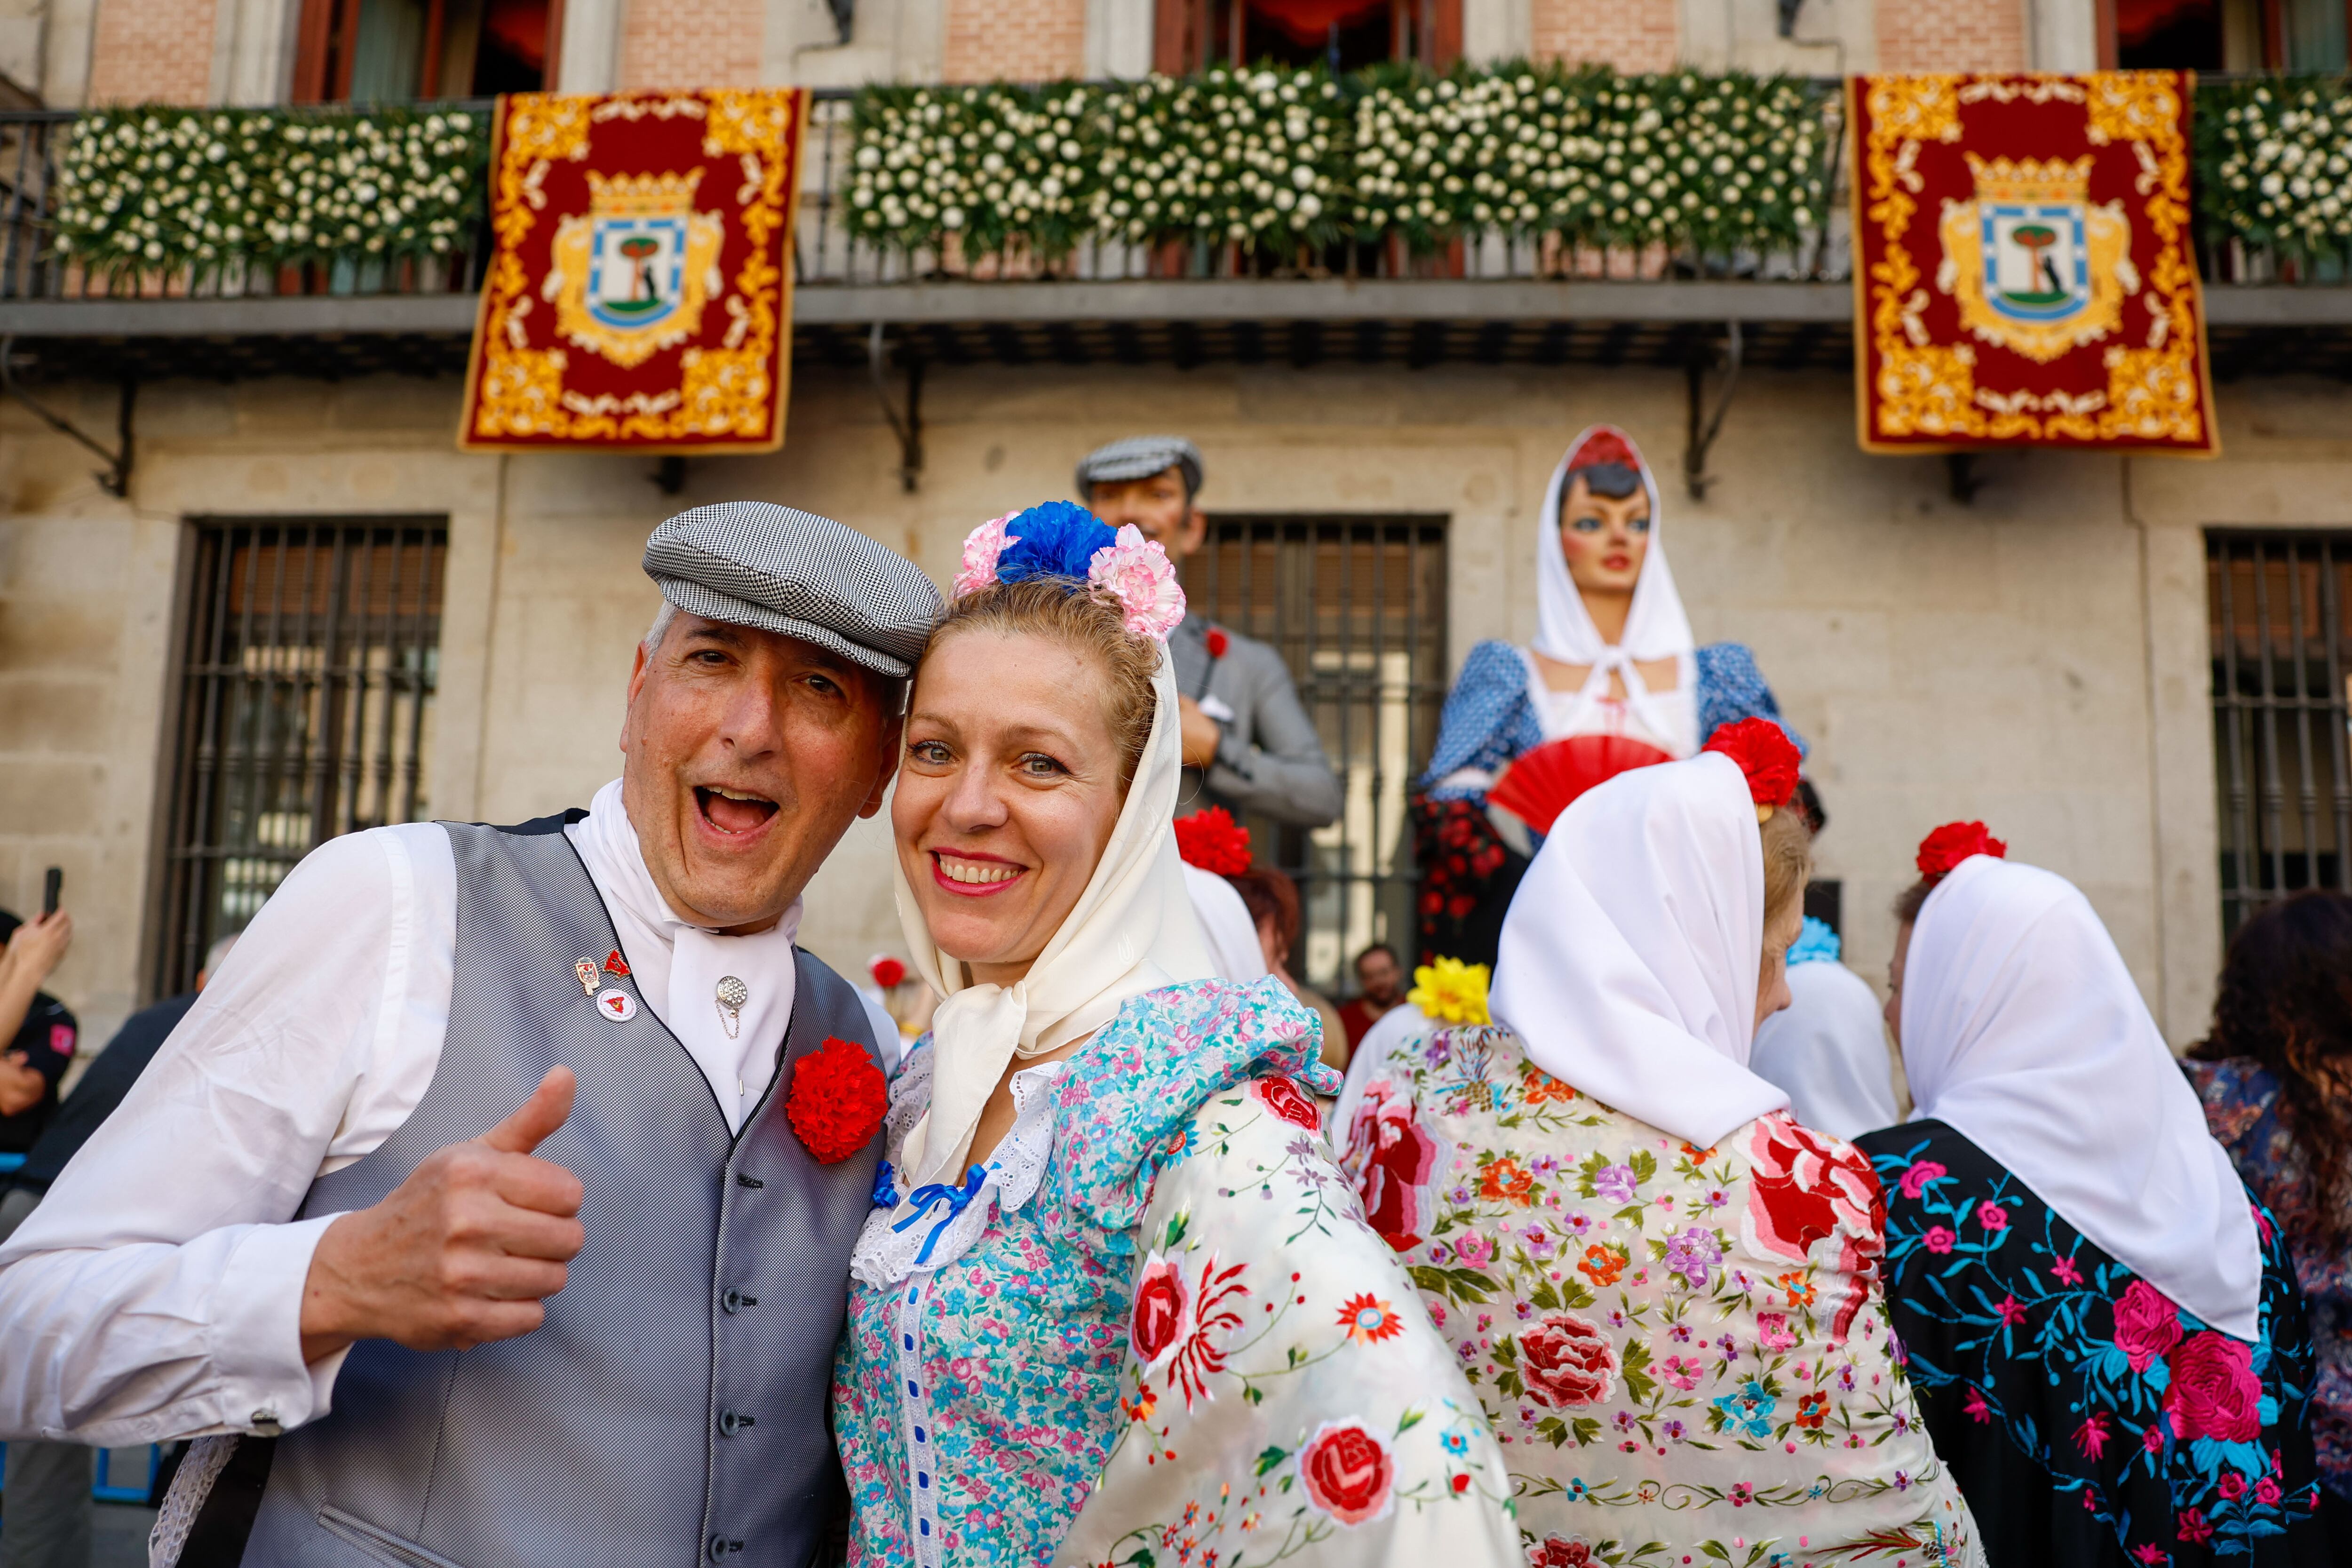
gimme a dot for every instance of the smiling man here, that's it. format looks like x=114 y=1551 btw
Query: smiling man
x=468 y=1215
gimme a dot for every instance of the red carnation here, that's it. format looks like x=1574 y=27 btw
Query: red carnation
x=837 y=1100
x=1211 y=839
x=1953 y=843
x=888 y=971
x=1606 y=444
x=1218 y=642
x=1766 y=754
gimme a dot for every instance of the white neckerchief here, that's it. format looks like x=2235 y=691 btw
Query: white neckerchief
x=1655 y=626
x=1225 y=924
x=2023 y=1030
x=1630 y=951
x=1132 y=931
x=1828 y=1049
x=676 y=966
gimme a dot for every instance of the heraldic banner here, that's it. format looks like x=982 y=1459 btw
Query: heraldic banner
x=638 y=294
x=2023 y=274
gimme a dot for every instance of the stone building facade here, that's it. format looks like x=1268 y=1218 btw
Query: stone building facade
x=2038 y=656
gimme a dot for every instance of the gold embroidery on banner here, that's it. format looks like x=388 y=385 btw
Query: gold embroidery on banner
x=1923 y=389
x=729 y=391
x=2156 y=393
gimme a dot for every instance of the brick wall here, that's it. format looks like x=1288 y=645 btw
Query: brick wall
x=1951 y=34
x=151 y=51
x=691 y=43
x=1632 y=35
x=1016 y=40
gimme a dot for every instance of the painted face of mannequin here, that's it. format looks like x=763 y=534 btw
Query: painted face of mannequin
x=1604 y=538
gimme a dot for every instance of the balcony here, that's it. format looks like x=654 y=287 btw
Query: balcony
x=1475 y=297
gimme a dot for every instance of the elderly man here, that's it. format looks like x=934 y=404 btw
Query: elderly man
x=1248 y=744
x=451 y=1071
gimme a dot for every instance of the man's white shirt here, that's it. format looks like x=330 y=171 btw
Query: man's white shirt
x=157 y=1291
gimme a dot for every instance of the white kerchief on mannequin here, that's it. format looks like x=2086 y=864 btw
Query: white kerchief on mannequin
x=678 y=966
x=1631 y=952
x=1655 y=626
x=1132 y=931
x=2023 y=1030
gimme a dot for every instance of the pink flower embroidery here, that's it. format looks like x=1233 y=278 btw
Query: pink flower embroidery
x=1773 y=1329
x=1348 y=1472
x=1137 y=573
x=1394 y=1158
x=1937 y=1240
x=2063 y=1270
x=1976 y=1406
x=2214 y=1392
x=1915 y=1179
x=2010 y=1310
x=1565 y=1360
x=1475 y=1249
x=2266 y=1493
x=981 y=547
x=2193 y=1526
x=2091 y=1436
x=1684 y=1371
x=2147 y=1325
x=1991 y=1215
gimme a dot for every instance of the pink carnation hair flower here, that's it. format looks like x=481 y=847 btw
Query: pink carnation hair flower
x=1137 y=573
x=981 y=547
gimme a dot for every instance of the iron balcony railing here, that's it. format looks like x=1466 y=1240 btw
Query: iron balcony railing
x=827 y=255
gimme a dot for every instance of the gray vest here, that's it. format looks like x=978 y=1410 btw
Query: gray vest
x=673 y=1407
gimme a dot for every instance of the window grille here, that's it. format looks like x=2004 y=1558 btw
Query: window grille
x=2282 y=661
x=305 y=710
x=1356 y=606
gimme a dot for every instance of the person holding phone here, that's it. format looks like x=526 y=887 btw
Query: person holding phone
x=39 y=1028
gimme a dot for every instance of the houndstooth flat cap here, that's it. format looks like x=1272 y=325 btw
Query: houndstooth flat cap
x=757 y=565
x=1139 y=458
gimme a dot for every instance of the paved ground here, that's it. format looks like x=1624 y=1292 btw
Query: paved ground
x=120 y=1538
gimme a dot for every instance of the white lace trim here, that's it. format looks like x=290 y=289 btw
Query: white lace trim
x=892 y=1245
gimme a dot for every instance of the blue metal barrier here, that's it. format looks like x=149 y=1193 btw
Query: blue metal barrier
x=104 y=1490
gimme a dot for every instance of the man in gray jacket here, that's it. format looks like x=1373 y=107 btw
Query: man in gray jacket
x=1249 y=745
x=465 y=1217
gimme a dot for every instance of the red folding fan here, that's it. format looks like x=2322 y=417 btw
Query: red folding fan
x=1540 y=786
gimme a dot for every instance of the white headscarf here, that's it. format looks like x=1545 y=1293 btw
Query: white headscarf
x=2023 y=1030
x=1225 y=923
x=1630 y=953
x=1132 y=931
x=1828 y=1049
x=1655 y=626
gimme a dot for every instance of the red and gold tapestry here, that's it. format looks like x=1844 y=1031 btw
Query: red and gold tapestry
x=639 y=288
x=2023 y=269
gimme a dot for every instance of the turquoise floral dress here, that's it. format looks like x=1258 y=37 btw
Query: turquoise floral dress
x=2087 y=1417
x=1159 y=1259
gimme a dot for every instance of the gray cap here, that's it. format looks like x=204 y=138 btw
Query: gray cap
x=1139 y=458
x=756 y=564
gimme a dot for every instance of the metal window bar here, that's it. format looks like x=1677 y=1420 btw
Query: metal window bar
x=1356 y=606
x=310 y=661
x=2282 y=651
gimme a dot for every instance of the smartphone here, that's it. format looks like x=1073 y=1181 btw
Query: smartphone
x=52 y=885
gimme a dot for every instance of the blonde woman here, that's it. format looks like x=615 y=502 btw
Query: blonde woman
x=1114 y=1297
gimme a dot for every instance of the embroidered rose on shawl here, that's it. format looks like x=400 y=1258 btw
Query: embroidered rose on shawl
x=1137 y=573
x=1287 y=1102
x=981 y=547
x=1566 y=1361
x=2214 y=1392
x=1349 y=1473
x=1394 y=1158
x=1163 y=1315
x=1559 y=1552
x=1815 y=1198
x=2147 y=1325
x=837 y=1100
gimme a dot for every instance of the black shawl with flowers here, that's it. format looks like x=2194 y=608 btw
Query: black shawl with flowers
x=2087 y=1419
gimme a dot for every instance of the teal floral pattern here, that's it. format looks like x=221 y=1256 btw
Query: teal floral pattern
x=2047 y=1367
x=1020 y=1339
x=1684 y=1352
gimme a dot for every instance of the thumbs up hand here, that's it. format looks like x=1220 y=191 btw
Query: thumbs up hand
x=463 y=1252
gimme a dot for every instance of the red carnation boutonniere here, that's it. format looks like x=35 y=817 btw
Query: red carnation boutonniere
x=888 y=972
x=1953 y=842
x=1211 y=839
x=1218 y=642
x=1768 y=758
x=837 y=1100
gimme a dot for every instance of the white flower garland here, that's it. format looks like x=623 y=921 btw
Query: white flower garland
x=150 y=189
x=2275 y=164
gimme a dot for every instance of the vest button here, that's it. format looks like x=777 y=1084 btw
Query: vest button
x=733 y=1421
x=720 y=1546
x=732 y=1302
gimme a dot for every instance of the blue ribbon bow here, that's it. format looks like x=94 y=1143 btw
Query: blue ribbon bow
x=957 y=1199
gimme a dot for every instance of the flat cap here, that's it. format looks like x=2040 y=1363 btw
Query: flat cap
x=1139 y=458
x=757 y=564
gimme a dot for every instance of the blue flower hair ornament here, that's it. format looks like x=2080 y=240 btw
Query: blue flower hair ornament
x=1063 y=539
x=1818 y=944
